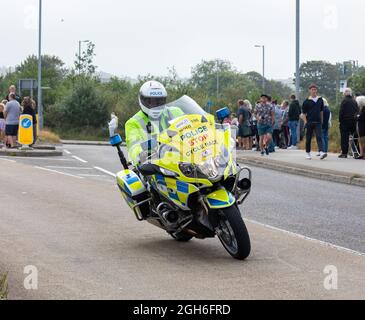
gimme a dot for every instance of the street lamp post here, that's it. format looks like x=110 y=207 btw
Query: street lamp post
x=297 y=75
x=80 y=42
x=263 y=67
x=40 y=103
x=217 y=80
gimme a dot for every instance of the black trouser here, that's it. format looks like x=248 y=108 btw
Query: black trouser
x=286 y=131
x=346 y=130
x=276 y=137
x=317 y=129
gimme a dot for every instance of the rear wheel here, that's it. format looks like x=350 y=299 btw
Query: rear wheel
x=233 y=234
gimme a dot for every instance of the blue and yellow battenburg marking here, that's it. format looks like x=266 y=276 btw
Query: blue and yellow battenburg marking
x=220 y=199
x=130 y=183
x=175 y=190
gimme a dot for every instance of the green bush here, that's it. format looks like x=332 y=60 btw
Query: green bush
x=86 y=105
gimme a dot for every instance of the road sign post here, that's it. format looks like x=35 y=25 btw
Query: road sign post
x=26 y=130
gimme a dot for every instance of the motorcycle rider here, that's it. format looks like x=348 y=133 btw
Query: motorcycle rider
x=152 y=119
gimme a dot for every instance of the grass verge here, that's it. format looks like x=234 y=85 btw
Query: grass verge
x=47 y=136
x=4 y=287
x=84 y=134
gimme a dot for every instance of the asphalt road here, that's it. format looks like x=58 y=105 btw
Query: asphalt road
x=65 y=216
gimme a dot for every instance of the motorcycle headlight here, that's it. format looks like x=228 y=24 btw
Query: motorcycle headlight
x=168 y=173
x=209 y=169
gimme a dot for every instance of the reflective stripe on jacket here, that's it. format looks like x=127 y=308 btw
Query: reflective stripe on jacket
x=140 y=128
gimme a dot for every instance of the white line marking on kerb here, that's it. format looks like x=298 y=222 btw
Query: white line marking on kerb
x=67 y=152
x=79 y=159
x=59 y=172
x=300 y=236
x=105 y=171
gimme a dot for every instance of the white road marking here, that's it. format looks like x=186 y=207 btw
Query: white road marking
x=59 y=172
x=300 y=236
x=91 y=175
x=106 y=171
x=41 y=158
x=8 y=160
x=67 y=152
x=69 y=168
x=79 y=159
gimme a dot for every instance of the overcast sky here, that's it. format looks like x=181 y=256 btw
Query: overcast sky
x=148 y=36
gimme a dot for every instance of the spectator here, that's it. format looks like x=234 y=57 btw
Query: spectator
x=271 y=146
x=361 y=126
x=348 y=112
x=2 y=123
x=285 y=125
x=255 y=132
x=12 y=114
x=12 y=89
x=265 y=115
x=294 y=115
x=327 y=117
x=234 y=120
x=28 y=108
x=247 y=140
x=244 y=125
x=278 y=123
x=248 y=105
x=240 y=116
x=313 y=114
x=234 y=126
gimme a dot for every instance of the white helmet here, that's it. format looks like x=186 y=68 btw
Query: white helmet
x=152 y=99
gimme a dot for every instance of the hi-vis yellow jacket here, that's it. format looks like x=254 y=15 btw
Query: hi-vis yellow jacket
x=140 y=128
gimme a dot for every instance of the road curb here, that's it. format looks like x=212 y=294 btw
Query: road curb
x=31 y=153
x=327 y=175
x=88 y=143
x=85 y=143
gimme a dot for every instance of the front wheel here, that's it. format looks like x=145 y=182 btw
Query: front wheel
x=233 y=234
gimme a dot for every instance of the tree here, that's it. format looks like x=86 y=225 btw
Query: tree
x=323 y=74
x=84 y=106
x=84 y=63
x=205 y=76
x=53 y=73
x=357 y=82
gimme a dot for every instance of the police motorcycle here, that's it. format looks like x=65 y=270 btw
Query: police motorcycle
x=189 y=183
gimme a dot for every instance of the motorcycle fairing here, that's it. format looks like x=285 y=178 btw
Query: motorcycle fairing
x=220 y=199
x=177 y=191
x=130 y=183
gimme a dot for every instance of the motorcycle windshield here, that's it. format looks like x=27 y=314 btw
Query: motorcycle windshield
x=191 y=142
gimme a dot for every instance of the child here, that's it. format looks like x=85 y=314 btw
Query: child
x=2 y=123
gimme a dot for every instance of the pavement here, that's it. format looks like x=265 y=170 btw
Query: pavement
x=66 y=217
x=348 y=171
x=38 y=150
